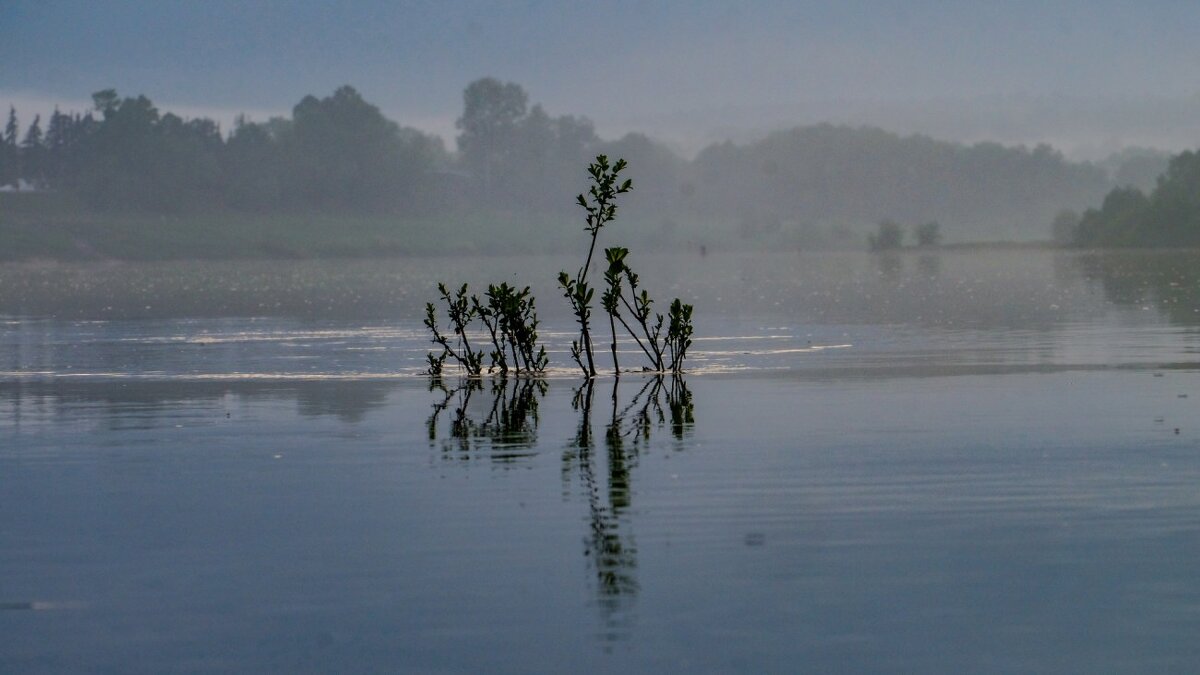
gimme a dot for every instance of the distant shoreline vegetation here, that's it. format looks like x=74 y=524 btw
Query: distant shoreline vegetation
x=337 y=178
x=1166 y=217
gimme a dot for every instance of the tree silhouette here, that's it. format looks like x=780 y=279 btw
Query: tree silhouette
x=33 y=154
x=10 y=166
x=489 y=126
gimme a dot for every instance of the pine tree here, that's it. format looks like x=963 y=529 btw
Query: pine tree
x=10 y=169
x=10 y=130
x=57 y=138
x=33 y=155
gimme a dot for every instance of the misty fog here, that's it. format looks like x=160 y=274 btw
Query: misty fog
x=819 y=186
x=623 y=337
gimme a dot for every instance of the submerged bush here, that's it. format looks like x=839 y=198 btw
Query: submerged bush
x=601 y=209
x=510 y=321
x=508 y=317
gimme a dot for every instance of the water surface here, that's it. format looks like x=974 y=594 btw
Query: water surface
x=924 y=462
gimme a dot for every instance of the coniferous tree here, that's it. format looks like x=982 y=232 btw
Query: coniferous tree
x=56 y=142
x=11 y=129
x=33 y=154
x=10 y=157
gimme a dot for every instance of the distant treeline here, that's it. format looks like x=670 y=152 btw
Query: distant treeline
x=337 y=152
x=845 y=176
x=1169 y=215
x=340 y=154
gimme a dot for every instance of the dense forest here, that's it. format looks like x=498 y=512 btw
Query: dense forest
x=339 y=156
x=1169 y=215
x=338 y=152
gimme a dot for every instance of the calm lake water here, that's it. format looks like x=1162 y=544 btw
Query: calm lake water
x=944 y=462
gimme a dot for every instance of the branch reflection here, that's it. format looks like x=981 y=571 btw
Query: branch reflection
x=499 y=419
x=609 y=546
x=503 y=424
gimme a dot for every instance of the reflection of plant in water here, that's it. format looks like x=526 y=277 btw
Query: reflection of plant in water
x=609 y=546
x=506 y=424
x=510 y=422
x=683 y=412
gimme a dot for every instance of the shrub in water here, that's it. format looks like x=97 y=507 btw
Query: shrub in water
x=509 y=319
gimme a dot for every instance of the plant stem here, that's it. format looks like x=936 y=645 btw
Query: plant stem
x=587 y=265
x=635 y=338
x=657 y=356
x=612 y=326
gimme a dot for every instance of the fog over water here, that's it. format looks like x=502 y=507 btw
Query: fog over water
x=911 y=461
x=889 y=360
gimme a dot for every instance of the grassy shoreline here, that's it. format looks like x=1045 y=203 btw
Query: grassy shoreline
x=50 y=226
x=54 y=227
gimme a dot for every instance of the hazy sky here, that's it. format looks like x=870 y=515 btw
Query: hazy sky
x=1086 y=76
